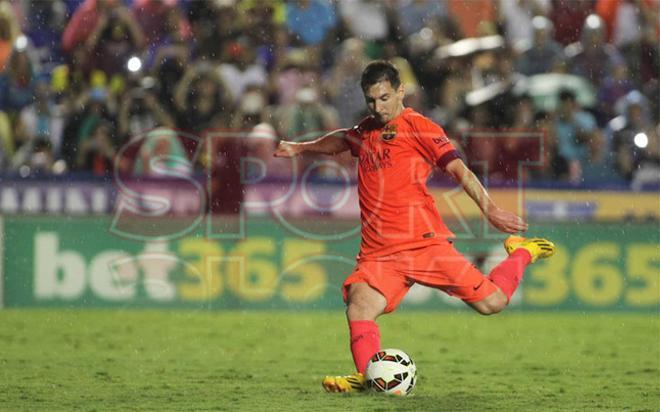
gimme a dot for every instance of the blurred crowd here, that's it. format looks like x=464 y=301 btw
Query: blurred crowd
x=569 y=87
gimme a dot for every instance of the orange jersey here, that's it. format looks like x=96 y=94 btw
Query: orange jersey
x=395 y=161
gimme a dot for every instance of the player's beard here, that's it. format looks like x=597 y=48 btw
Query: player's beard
x=383 y=119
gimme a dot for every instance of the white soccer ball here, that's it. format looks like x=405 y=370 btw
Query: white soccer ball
x=391 y=371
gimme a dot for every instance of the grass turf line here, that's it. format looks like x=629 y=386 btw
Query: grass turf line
x=186 y=360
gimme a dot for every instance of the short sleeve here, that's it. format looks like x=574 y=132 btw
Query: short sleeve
x=585 y=121
x=355 y=133
x=433 y=143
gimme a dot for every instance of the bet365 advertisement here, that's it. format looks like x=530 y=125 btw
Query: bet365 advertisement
x=272 y=264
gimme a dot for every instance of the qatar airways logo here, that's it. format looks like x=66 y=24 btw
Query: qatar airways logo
x=372 y=161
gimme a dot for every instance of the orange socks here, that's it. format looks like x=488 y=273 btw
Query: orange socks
x=365 y=342
x=508 y=274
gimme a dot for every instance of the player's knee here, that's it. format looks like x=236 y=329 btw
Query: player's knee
x=497 y=305
x=490 y=310
x=361 y=309
x=364 y=304
x=493 y=304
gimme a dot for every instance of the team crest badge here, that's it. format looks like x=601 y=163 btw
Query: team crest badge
x=388 y=133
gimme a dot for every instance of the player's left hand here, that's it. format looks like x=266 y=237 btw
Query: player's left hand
x=506 y=221
x=287 y=149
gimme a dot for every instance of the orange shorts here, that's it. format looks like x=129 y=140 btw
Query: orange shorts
x=439 y=266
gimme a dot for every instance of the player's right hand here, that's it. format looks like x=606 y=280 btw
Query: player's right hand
x=506 y=222
x=287 y=149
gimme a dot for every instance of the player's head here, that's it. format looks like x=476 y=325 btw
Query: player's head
x=567 y=102
x=383 y=91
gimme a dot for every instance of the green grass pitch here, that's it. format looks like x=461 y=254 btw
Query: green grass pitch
x=54 y=360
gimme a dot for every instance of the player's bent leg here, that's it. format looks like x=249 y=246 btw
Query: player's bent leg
x=364 y=302
x=492 y=304
x=364 y=305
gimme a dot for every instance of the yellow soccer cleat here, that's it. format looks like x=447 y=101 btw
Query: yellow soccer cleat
x=536 y=246
x=348 y=383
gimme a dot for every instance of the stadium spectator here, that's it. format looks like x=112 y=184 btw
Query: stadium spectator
x=615 y=85
x=161 y=22
x=306 y=115
x=141 y=111
x=484 y=69
x=7 y=145
x=623 y=19
x=250 y=109
x=591 y=57
x=84 y=21
x=625 y=129
x=42 y=119
x=472 y=16
x=168 y=67
x=17 y=86
x=9 y=31
x=414 y=15
x=17 y=82
x=202 y=100
x=164 y=41
x=647 y=172
x=162 y=154
x=574 y=128
x=289 y=42
x=34 y=158
x=598 y=165
x=568 y=17
x=456 y=83
x=642 y=54
x=96 y=153
x=212 y=24
x=241 y=69
x=86 y=111
x=115 y=38
x=295 y=73
x=543 y=53
x=310 y=21
x=421 y=49
x=265 y=29
x=517 y=16
x=366 y=20
x=341 y=81
x=553 y=167
x=272 y=52
x=44 y=23
x=252 y=124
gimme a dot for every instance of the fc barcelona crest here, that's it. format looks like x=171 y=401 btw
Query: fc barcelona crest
x=388 y=133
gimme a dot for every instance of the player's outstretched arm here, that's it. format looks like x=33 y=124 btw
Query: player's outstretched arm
x=330 y=143
x=503 y=220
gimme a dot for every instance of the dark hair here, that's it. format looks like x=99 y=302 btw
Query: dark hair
x=377 y=71
x=566 y=94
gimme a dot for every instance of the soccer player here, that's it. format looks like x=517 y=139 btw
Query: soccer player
x=404 y=240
